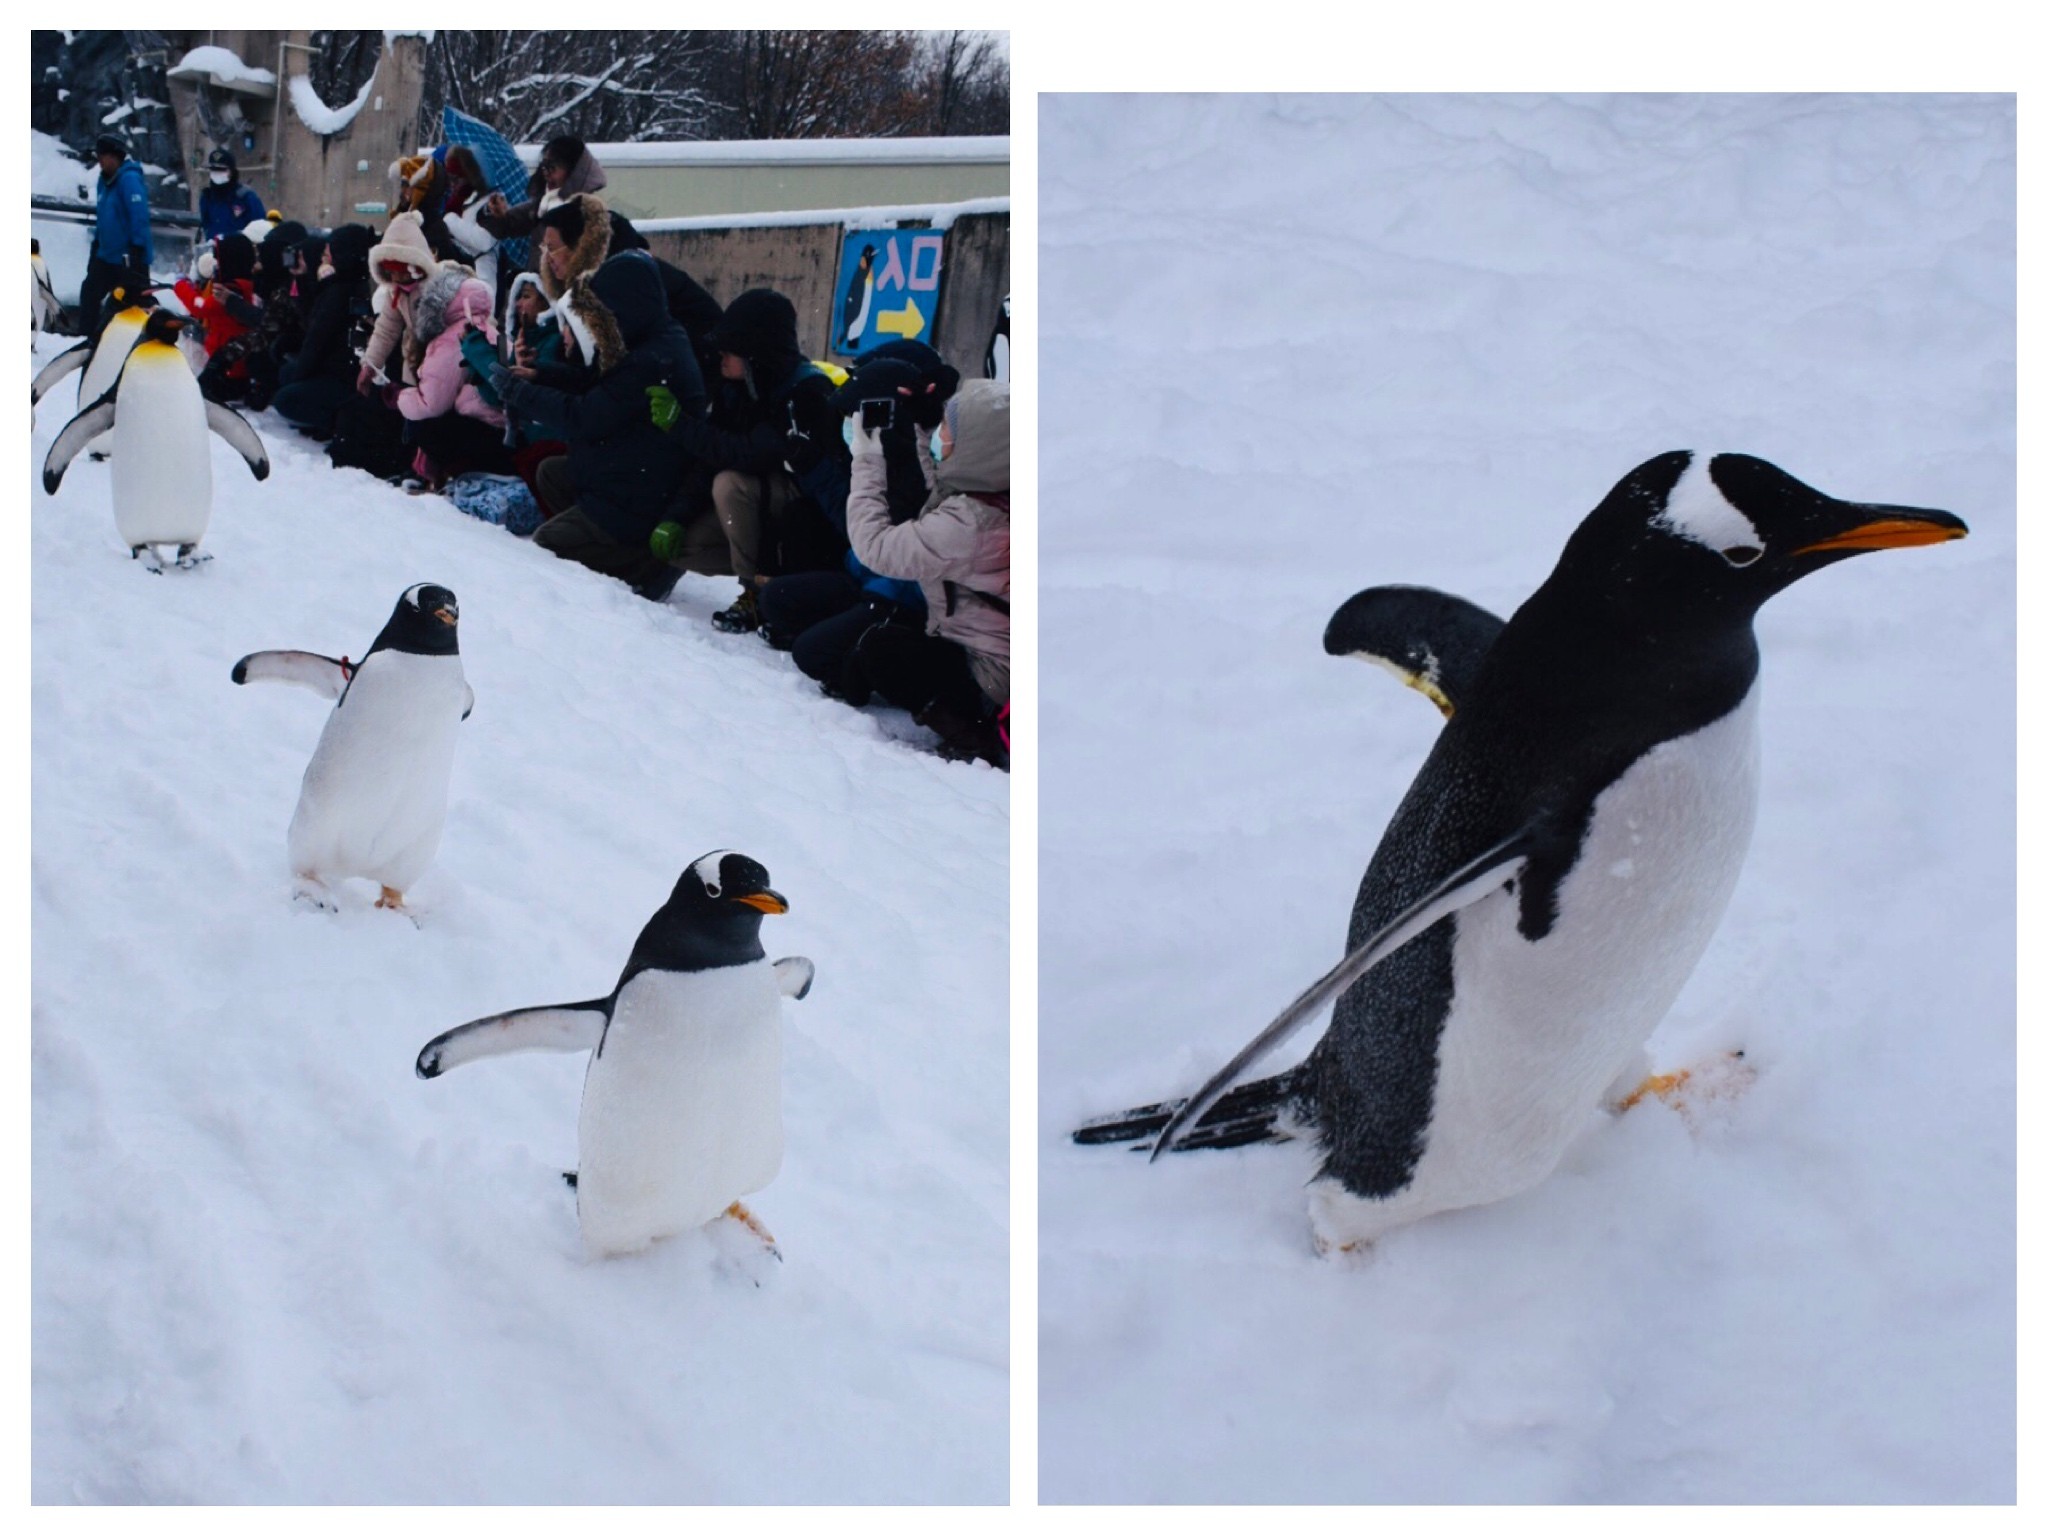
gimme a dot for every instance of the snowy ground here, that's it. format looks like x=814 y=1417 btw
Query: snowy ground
x=269 y=1264
x=1294 y=348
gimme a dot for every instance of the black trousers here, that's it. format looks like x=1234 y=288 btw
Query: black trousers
x=101 y=279
x=916 y=671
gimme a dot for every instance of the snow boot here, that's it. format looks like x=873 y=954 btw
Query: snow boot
x=743 y=617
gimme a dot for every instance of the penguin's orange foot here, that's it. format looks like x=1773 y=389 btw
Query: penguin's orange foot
x=394 y=900
x=747 y=1219
x=1687 y=1089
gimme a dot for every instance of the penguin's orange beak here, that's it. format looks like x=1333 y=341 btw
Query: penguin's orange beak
x=1889 y=533
x=445 y=615
x=764 y=901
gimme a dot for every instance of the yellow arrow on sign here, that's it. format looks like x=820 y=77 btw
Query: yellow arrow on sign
x=907 y=321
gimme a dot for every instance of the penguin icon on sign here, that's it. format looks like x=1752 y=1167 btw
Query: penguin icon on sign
x=859 y=301
x=1561 y=860
x=163 y=467
x=375 y=795
x=682 y=1100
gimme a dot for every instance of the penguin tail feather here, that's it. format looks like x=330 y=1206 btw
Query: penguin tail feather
x=1270 y=1109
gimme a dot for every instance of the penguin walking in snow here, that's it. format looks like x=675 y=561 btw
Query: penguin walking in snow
x=859 y=299
x=44 y=307
x=1559 y=863
x=97 y=359
x=682 y=1100
x=163 y=466
x=375 y=795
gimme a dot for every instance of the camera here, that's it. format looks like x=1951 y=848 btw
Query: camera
x=877 y=415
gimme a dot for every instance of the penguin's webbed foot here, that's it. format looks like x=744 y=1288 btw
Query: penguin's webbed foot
x=307 y=889
x=1689 y=1088
x=189 y=559
x=151 y=561
x=746 y=1218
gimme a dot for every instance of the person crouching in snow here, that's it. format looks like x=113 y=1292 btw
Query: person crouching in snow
x=227 y=307
x=614 y=484
x=955 y=676
x=454 y=427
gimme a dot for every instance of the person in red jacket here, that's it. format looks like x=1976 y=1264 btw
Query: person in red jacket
x=227 y=307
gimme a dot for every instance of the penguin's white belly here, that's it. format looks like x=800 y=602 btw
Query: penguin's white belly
x=682 y=1109
x=376 y=792
x=115 y=343
x=163 y=462
x=1538 y=1032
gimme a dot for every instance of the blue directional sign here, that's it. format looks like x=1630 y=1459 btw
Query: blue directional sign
x=888 y=288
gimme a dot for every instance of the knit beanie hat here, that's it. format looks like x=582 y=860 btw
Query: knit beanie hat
x=405 y=241
x=234 y=257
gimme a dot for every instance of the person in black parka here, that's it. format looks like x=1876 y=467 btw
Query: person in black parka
x=313 y=381
x=621 y=468
x=771 y=448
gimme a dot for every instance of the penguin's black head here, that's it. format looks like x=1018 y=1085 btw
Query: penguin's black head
x=724 y=879
x=711 y=919
x=1725 y=532
x=162 y=326
x=422 y=623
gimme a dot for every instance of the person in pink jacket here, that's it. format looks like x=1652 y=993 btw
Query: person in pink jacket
x=456 y=428
x=955 y=676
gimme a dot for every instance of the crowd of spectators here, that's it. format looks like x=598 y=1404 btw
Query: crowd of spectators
x=602 y=402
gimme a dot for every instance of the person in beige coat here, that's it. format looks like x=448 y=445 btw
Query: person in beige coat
x=955 y=676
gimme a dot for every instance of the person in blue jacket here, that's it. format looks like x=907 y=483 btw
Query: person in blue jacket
x=121 y=248
x=226 y=207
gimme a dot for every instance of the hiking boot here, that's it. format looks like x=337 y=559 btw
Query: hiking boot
x=742 y=617
x=656 y=588
x=962 y=740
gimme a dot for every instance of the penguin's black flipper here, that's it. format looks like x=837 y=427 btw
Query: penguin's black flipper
x=1432 y=641
x=62 y=366
x=307 y=669
x=80 y=430
x=240 y=436
x=561 y=1027
x=793 y=974
x=1477 y=878
x=1240 y=1118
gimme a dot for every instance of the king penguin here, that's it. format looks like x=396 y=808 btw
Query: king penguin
x=682 y=1100
x=163 y=466
x=1561 y=860
x=375 y=794
x=100 y=355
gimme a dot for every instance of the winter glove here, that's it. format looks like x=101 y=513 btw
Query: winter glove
x=667 y=539
x=866 y=444
x=480 y=357
x=663 y=406
x=138 y=267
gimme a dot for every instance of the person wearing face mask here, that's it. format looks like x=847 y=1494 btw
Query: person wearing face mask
x=954 y=677
x=226 y=207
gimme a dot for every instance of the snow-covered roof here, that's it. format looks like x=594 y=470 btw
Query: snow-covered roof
x=941 y=216
x=223 y=67
x=986 y=149
x=316 y=114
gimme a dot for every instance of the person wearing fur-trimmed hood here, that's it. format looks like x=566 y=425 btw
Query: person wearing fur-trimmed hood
x=400 y=263
x=621 y=469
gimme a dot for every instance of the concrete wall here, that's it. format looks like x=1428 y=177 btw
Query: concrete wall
x=801 y=261
x=647 y=191
x=318 y=181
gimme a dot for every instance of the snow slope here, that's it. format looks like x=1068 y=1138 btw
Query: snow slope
x=1297 y=347
x=271 y=1265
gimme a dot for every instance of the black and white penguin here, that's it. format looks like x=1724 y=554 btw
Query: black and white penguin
x=375 y=794
x=163 y=465
x=97 y=360
x=1559 y=863
x=45 y=309
x=858 y=300
x=682 y=1101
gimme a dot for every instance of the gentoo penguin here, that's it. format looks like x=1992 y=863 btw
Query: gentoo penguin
x=163 y=466
x=376 y=792
x=682 y=1101
x=1560 y=861
x=859 y=299
x=100 y=357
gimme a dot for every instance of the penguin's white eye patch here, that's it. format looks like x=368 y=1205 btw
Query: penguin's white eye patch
x=707 y=869
x=1697 y=511
x=1742 y=554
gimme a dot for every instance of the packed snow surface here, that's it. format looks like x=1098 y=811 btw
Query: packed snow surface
x=1298 y=347
x=269 y=1263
